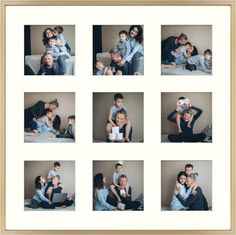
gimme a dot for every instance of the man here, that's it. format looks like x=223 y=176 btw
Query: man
x=120 y=122
x=187 y=131
x=118 y=64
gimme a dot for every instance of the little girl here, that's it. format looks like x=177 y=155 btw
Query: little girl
x=183 y=105
x=183 y=191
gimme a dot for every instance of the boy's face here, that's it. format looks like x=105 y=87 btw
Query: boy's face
x=119 y=103
x=55 y=32
x=71 y=121
x=118 y=169
x=52 y=42
x=48 y=60
x=182 y=179
x=56 y=168
x=49 y=115
x=188 y=170
x=122 y=37
x=207 y=56
x=99 y=66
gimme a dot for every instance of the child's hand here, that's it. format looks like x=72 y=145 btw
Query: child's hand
x=176 y=192
x=177 y=185
x=178 y=106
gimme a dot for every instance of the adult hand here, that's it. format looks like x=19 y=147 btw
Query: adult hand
x=176 y=192
x=177 y=185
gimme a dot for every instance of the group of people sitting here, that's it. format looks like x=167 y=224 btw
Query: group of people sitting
x=46 y=189
x=187 y=194
x=120 y=195
x=126 y=55
x=39 y=118
x=177 y=50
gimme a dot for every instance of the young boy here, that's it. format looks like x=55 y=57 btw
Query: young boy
x=115 y=180
x=123 y=44
x=118 y=105
x=183 y=105
x=55 y=50
x=70 y=131
x=188 y=169
x=199 y=60
x=101 y=69
x=55 y=171
x=44 y=123
x=61 y=41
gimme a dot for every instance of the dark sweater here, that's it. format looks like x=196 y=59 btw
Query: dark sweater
x=195 y=202
x=35 y=111
x=167 y=46
x=186 y=131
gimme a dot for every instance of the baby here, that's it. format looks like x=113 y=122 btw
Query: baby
x=200 y=61
x=183 y=105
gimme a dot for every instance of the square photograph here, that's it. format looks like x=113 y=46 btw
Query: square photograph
x=49 y=49
x=186 y=185
x=118 y=185
x=186 y=117
x=118 y=117
x=186 y=50
x=49 y=117
x=49 y=185
x=118 y=50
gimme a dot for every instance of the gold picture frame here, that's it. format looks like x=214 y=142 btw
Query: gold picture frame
x=5 y=4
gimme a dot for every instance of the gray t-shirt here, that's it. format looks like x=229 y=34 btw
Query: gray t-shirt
x=52 y=173
x=113 y=111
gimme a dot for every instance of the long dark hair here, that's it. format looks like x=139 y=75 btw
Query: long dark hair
x=45 y=39
x=57 y=123
x=139 y=36
x=37 y=183
x=180 y=174
x=98 y=181
x=195 y=51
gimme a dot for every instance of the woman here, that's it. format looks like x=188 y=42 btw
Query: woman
x=135 y=37
x=101 y=194
x=126 y=197
x=58 y=188
x=49 y=66
x=39 y=200
x=171 y=44
x=36 y=111
x=196 y=200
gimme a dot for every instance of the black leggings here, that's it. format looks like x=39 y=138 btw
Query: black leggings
x=65 y=203
x=191 y=138
x=191 y=67
x=35 y=204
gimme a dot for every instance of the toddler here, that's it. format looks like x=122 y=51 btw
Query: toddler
x=118 y=105
x=101 y=69
x=70 y=131
x=200 y=61
x=123 y=44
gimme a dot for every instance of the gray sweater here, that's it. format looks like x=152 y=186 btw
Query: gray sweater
x=198 y=60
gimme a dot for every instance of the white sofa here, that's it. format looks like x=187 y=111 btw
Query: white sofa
x=33 y=61
x=105 y=58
